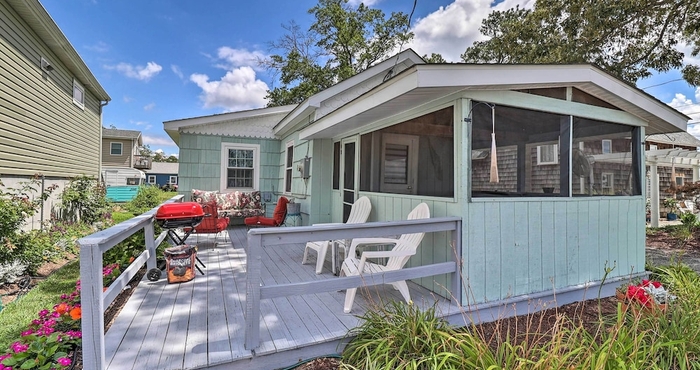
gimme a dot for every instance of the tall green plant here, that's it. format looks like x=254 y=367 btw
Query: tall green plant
x=84 y=199
x=148 y=197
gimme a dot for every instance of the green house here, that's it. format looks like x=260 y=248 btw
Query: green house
x=543 y=163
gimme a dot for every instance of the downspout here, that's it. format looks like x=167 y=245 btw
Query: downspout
x=99 y=164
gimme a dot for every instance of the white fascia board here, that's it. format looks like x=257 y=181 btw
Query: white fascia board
x=378 y=96
x=317 y=99
x=206 y=120
x=494 y=75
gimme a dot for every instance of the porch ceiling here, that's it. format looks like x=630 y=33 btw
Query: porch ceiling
x=423 y=84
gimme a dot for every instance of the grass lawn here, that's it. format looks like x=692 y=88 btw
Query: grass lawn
x=17 y=315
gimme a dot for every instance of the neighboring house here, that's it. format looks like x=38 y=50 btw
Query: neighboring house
x=162 y=173
x=50 y=105
x=120 y=148
x=568 y=200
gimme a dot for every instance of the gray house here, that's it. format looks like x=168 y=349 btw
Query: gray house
x=521 y=153
x=51 y=110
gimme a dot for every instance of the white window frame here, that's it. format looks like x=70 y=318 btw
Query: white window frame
x=653 y=147
x=288 y=167
x=607 y=184
x=555 y=156
x=172 y=180
x=121 y=148
x=224 y=165
x=603 y=144
x=79 y=101
x=152 y=179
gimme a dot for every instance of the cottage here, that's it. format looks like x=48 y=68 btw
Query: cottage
x=543 y=163
x=51 y=109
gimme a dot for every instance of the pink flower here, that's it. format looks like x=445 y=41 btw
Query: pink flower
x=27 y=332
x=18 y=347
x=64 y=361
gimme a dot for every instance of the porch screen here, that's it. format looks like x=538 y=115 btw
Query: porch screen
x=413 y=157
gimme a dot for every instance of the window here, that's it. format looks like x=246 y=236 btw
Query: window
x=115 y=148
x=336 y=165
x=679 y=180
x=151 y=179
x=547 y=154
x=240 y=166
x=607 y=146
x=172 y=180
x=606 y=180
x=289 y=161
x=536 y=157
x=653 y=147
x=78 y=94
x=390 y=158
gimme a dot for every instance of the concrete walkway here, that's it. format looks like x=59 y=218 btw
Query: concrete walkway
x=660 y=257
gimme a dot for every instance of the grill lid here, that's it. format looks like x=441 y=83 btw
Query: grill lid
x=183 y=210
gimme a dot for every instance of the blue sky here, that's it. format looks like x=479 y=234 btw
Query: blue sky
x=163 y=60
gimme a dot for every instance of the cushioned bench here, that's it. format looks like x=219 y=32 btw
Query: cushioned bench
x=236 y=204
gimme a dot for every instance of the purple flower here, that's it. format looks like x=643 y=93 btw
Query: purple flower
x=64 y=361
x=27 y=332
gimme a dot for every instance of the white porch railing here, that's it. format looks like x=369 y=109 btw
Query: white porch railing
x=93 y=299
x=272 y=237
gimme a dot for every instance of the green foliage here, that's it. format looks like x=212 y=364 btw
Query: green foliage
x=341 y=42
x=627 y=38
x=146 y=199
x=401 y=336
x=84 y=199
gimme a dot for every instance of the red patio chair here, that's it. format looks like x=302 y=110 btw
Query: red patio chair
x=277 y=219
x=211 y=223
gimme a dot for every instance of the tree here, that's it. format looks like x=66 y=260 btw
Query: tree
x=434 y=58
x=627 y=38
x=145 y=151
x=171 y=159
x=342 y=42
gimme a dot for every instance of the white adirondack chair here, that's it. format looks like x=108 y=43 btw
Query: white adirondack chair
x=359 y=213
x=404 y=247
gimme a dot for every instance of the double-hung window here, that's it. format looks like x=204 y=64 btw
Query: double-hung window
x=240 y=165
x=115 y=148
x=289 y=161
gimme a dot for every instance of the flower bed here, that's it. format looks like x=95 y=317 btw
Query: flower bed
x=647 y=296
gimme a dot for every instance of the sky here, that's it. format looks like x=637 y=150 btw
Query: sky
x=162 y=60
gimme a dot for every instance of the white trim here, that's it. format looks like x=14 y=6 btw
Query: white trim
x=288 y=169
x=151 y=177
x=555 y=154
x=609 y=144
x=607 y=184
x=224 y=165
x=121 y=148
x=170 y=179
x=79 y=102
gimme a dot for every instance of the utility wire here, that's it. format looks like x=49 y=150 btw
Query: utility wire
x=408 y=28
x=663 y=83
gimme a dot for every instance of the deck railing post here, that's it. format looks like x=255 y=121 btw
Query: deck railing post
x=92 y=321
x=458 y=275
x=252 y=311
x=149 y=234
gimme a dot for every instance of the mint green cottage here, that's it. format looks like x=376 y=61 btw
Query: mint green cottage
x=543 y=163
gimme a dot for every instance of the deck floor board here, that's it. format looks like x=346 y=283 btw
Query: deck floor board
x=201 y=323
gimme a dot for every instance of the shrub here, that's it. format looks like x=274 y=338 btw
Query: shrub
x=84 y=199
x=147 y=198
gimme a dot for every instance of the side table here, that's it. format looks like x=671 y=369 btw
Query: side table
x=292 y=218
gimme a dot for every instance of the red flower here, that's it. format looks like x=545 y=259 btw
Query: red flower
x=62 y=308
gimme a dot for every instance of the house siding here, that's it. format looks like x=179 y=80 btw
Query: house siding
x=43 y=131
x=123 y=160
x=200 y=162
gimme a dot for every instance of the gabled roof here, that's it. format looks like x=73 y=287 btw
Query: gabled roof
x=254 y=123
x=40 y=21
x=111 y=133
x=423 y=83
x=675 y=138
x=306 y=108
x=164 y=168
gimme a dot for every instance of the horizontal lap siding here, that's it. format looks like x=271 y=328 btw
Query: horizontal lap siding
x=41 y=130
x=522 y=247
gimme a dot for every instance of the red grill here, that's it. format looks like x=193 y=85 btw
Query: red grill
x=174 y=215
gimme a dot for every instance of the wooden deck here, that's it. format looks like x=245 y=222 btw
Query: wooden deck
x=200 y=324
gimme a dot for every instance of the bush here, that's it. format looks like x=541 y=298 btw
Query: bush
x=84 y=199
x=146 y=199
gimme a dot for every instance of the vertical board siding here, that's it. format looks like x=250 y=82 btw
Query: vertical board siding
x=522 y=247
x=43 y=131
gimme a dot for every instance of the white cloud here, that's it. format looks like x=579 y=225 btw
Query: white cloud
x=100 y=47
x=157 y=141
x=450 y=30
x=689 y=108
x=138 y=72
x=128 y=99
x=150 y=106
x=370 y=3
x=177 y=71
x=138 y=123
x=159 y=151
x=234 y=58
x=238 y=89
